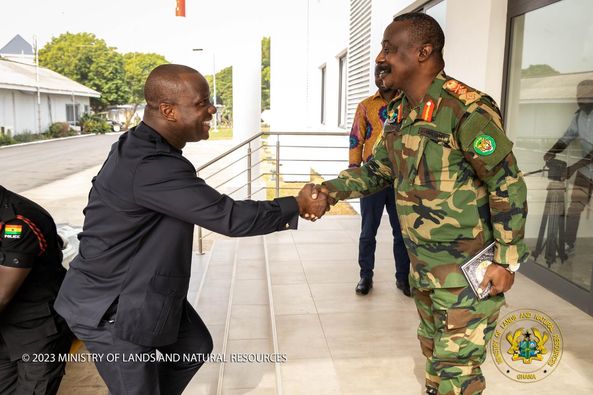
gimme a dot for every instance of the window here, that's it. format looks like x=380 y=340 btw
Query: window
x=72 y=112
x=549 y=114
x=322 y=120
x=342 y=91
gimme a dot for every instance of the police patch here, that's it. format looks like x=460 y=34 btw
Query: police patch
x=13 y=231
x=484 y=145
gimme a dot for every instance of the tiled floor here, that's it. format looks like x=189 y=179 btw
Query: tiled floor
x=335 y=341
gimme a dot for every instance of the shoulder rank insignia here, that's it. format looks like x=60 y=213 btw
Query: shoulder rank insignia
x=427 y=111
x=455 y=87
x=463 y=93
x=13 y=231
x=484 y=145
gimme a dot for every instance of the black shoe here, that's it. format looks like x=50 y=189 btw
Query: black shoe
x=364 y=285
x=404 y=286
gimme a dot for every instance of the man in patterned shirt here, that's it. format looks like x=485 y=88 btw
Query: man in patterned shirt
x=366 y=128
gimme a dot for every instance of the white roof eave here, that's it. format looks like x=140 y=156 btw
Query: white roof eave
x=28 y=88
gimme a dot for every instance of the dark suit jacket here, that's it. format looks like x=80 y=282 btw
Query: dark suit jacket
x=136 y=243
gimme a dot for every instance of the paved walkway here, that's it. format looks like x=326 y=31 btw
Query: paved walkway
x=335 y=342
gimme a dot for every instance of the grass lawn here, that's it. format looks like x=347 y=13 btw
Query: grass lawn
x=221 y=134
x=293 y=188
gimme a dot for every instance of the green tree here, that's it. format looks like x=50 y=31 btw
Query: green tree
x=224 y=84
x=88 y=60
x=538 y=70
x=265 y=73
x=137 y=66
x=224 y=92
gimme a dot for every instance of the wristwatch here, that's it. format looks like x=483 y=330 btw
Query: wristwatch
x=513 y=267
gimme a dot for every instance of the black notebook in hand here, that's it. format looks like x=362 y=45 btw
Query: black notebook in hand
x=475 y=269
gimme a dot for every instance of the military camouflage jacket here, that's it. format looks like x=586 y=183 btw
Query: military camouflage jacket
x=457 y=183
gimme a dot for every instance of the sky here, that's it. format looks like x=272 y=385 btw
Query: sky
x=145 y=25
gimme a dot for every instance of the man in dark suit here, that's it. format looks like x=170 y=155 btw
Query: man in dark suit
x=125 y=292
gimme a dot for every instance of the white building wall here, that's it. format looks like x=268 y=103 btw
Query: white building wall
x=18 y=110
x=26 y=112
x=247 y=89
x=312 y=33
x=474 y=53
x=6 y=113
x=328 y=20
x=289 y=73
x=474 y=46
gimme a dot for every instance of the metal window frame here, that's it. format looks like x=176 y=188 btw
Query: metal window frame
x=419 y=6
x=323 y=69
x=580 y=297
x=342 y=88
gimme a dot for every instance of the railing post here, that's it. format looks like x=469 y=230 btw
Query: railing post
x=249 y=171
x=278 y=166
x=200 y=241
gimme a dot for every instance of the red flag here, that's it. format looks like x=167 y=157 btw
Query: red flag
x=180 y=8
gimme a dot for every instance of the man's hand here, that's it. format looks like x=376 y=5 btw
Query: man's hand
x=312 y=204
x=502 y=280
x=549 y=156
x=319 y=190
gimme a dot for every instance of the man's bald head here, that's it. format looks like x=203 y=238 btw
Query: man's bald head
x=165 y=83
x=178 y=104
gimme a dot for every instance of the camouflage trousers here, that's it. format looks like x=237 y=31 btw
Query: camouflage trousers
x=455 y=328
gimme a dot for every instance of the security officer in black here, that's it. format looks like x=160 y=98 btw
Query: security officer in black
x=32 y=334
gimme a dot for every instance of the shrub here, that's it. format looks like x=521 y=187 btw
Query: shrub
x=60 y=129
x=28 y=137
x=6 y=139
x=94 y=124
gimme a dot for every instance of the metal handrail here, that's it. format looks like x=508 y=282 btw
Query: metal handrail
x=247 y=170
x=260 y=134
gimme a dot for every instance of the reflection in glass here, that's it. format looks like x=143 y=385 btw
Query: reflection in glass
x=549 y=116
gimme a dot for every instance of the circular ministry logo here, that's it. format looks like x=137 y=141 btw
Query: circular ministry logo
x=526 y=345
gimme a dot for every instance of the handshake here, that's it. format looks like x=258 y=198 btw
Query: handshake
x=313 y=201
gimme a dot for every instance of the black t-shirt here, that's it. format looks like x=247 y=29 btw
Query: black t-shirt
x=29 y=240
x=21 y=243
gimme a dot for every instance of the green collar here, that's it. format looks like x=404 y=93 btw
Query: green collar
x=426 y=109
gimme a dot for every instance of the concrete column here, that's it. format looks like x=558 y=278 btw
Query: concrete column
x=474 y=43
x=290 y=75
x=247 y=88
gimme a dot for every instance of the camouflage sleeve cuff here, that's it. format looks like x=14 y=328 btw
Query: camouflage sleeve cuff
x=511 y=268
x=511 y=256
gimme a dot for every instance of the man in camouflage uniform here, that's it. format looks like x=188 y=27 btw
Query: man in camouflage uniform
x=457 y=187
